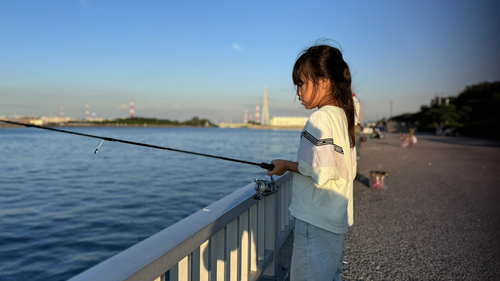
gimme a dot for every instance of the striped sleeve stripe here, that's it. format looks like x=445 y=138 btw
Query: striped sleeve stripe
x=320 y=142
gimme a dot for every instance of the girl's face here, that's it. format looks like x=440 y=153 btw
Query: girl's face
x=313 y=96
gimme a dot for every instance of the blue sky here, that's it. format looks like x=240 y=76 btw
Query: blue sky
x=212 y=59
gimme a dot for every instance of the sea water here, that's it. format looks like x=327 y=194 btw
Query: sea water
x=64 y=209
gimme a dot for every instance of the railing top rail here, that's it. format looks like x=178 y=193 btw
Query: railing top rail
x=153 y=256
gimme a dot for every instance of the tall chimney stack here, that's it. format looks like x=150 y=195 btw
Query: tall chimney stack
x=132 y=109
x=257 y=114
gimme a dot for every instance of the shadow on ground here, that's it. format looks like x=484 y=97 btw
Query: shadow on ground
x=464 y=141
x=362 y=179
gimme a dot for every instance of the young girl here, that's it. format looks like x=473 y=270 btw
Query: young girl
x=326 y=165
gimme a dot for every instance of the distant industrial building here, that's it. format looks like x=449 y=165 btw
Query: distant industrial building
x=48 y=120
x=39 y=121
x=286 y=121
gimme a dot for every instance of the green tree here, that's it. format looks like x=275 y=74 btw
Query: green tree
x=473 y=112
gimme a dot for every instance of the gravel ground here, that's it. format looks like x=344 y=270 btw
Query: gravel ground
x=437 y=220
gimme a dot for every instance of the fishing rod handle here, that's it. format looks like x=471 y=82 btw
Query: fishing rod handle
x=269 y=167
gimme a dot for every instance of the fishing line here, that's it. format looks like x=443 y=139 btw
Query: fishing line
x=262 y=165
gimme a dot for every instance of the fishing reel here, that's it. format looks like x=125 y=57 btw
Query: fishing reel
x=263 y=187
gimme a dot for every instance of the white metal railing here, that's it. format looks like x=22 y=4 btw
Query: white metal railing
x=235 y=238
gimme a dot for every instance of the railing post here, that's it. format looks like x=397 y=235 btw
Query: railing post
x=232 y=253
x=201 y=262
x=261 y=227
x=218 y=260
x=244 y=247
x=270 y=236
x=254 y=256
x=182 y=270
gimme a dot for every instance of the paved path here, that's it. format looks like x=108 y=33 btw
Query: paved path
x=439 y=219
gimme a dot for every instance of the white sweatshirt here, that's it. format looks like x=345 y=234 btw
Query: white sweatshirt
x=322 y=192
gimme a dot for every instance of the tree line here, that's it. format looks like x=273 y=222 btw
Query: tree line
x=475 y=112
x=195 y=121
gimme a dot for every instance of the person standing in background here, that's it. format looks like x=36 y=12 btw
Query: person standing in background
x=359 y=125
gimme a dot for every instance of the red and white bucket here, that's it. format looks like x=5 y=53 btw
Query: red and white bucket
x=379 y=179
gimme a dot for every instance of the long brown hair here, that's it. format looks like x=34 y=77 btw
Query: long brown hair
x=324 y=61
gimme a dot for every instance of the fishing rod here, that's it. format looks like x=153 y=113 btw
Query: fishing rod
x=262 y=165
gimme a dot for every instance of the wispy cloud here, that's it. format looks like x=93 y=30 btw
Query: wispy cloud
x=123 y=106
x=237 y=47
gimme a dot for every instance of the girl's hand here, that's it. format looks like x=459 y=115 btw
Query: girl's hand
x=282 y=166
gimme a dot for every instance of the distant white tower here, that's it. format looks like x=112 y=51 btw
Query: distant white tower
x=62 y=112
x=245 y=117
x=87 y=111
x=257 y=114
x=265 y=109
x=132 y=109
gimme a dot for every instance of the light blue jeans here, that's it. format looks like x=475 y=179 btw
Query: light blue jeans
x=318 y=254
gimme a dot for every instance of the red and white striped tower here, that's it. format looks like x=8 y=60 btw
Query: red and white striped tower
x=62 y=112
x=245 y=117
x=132 y=109
x=257 y=114
x=87 y=111
x=265 y=109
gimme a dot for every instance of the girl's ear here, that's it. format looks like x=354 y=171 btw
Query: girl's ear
x=324 y=83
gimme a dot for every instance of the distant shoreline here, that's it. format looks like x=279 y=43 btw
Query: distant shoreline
x=88 y=125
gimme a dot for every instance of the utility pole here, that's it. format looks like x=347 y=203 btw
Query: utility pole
x=390 y=115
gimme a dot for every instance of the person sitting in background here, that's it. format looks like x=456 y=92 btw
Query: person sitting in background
x=409 y=139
